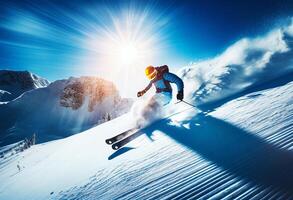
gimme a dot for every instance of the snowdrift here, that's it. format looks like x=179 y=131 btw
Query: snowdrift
x=246 y=63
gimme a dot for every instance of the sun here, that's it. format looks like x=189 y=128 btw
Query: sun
x=128 y=53
x=128 y=37
x=123 y=42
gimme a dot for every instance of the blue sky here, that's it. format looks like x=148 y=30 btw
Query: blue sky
x=58 y=39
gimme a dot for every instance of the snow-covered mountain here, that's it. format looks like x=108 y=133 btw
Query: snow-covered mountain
x=240 y=148
x=61 y=109
x=15 y=83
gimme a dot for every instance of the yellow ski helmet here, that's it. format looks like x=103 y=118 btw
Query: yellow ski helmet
x=151 y=72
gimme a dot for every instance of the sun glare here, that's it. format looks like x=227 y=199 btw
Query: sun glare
x=126 y=42
x=128 y=54
x=129 y=37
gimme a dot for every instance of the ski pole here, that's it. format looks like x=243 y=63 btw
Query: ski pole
x=186 y=103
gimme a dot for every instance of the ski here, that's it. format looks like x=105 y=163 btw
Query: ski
x=123 y=138
x=127 y=139
x=120 y=136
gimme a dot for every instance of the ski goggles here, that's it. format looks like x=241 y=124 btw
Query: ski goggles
x=152 y=75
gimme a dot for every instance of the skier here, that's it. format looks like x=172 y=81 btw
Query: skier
x=161 y=78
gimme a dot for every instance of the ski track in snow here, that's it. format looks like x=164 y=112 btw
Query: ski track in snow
x=171 y=171
x=222 y=155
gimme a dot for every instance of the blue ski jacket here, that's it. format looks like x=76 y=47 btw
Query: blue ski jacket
x=162 y=83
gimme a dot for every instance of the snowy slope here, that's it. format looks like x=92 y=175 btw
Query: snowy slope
x=60 y=109
x=241 y=150
x=15 y=83
x=248 y=62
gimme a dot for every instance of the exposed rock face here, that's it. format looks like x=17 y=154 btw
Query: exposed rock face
x=96 y=89
x=72 y=96
x=15 y=83
x=61 y=109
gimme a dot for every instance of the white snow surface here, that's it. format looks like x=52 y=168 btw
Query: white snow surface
x=193 y=155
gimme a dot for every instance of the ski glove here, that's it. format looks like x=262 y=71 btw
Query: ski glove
x=140 y=93
x=180 y=95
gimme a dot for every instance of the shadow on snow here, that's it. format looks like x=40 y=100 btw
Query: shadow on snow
x=119 y=152
x=235 y=150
